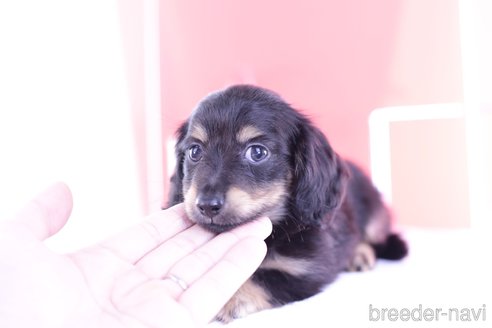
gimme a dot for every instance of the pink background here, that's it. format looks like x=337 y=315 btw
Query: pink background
x=334 y=60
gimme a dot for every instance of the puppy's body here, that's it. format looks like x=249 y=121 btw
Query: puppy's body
x=243 y=153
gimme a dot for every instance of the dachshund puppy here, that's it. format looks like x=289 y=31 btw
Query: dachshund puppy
x=245 y=153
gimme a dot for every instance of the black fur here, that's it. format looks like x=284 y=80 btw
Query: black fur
x=321 y=217
x=393 y=248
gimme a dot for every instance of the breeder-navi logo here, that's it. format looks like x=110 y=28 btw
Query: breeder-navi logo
x=421 y=313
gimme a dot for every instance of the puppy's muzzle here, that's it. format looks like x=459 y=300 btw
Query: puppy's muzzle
x=210 y=204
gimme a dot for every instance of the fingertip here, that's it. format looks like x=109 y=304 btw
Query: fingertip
x=262 y=249
x=62 y=190
x=48 y=212
x=267 y=225
x=60 y=198
x=262 y=227
x=175 y=212
x=253 y=250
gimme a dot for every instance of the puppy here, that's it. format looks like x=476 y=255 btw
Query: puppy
x=245 y=153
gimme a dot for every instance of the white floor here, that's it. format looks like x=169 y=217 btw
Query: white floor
x=444 y=282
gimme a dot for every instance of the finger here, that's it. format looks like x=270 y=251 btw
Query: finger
x=149 y=304
x=211 y=253
x=48 y=212
x=157 y=263
x=210 y=293
x=133 y=243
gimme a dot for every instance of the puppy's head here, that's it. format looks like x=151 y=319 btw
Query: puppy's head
x=244 y=153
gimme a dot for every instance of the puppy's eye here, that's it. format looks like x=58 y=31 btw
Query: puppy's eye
x=195 y=153
x=256 y=153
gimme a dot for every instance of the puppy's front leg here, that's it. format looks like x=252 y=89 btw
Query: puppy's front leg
x=248 y=299
x=363 y=259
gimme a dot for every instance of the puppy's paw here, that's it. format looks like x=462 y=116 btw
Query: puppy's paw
x=364 y=258
x=248 y=299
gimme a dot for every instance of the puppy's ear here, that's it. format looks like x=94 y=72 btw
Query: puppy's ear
x=176 y=186
x=319 y=177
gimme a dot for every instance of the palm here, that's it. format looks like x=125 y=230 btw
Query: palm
x=93 y=280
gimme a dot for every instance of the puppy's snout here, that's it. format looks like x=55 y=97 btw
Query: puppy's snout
x=210 y=205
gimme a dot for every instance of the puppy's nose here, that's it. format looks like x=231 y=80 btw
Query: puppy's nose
x=210 y=205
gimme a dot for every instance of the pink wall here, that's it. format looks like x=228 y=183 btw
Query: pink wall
x=334 y=60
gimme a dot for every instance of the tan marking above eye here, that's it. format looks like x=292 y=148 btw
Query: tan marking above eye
x=198 y=132
x=247 y=133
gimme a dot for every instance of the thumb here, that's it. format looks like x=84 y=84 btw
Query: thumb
x=48 y=212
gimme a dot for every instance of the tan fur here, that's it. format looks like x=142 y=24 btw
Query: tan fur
x=198 y=132
x=189 y=202
x=290 y=265
x=378 y=227
x=245 y=204
x=247 y=133
x=248 y=299
x=364 y=258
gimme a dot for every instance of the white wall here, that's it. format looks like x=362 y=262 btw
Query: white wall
x=476 y=47
x=65 y=114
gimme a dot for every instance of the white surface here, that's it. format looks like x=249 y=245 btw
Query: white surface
x=476 y=51
x=445 y=270
x=65 y=114
x=153 y=110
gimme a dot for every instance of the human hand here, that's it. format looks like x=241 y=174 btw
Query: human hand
x=121 y=282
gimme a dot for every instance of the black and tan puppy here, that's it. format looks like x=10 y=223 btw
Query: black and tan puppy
x=245 y=153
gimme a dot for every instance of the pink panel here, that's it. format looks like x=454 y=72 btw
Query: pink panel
x=429 y=173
